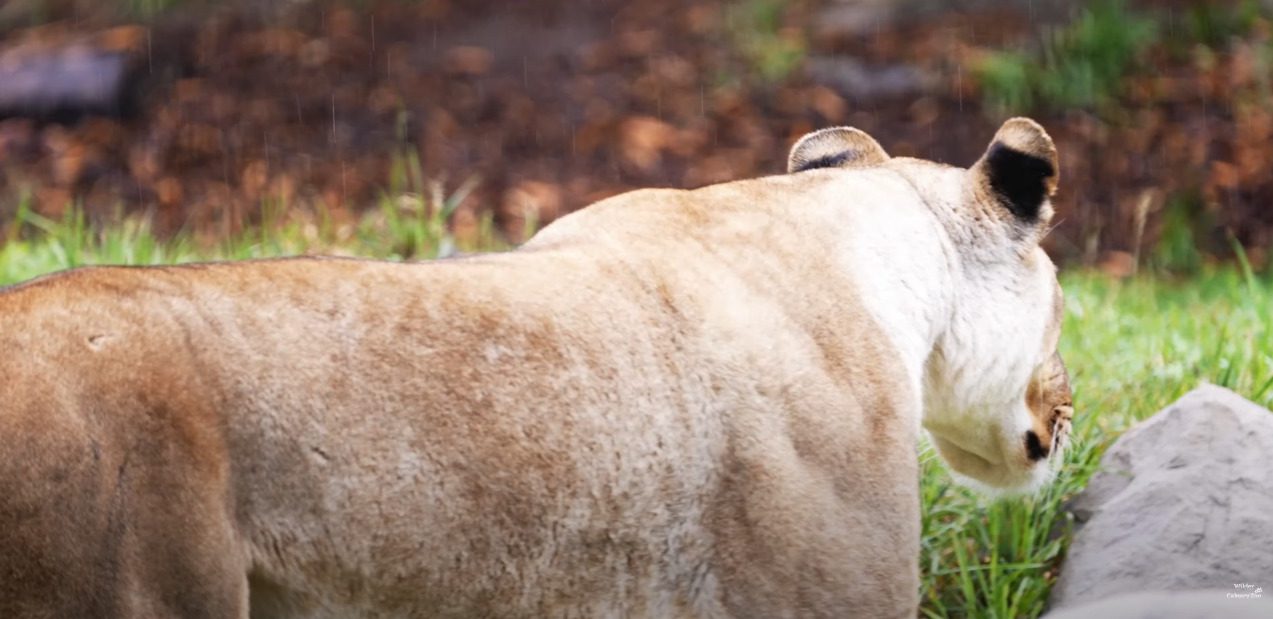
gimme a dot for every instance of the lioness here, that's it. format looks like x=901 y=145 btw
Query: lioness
x=669 y=404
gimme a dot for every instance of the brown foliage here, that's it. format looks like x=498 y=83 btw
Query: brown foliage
x=555 y=104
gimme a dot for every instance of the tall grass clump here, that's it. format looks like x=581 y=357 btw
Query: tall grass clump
x=410 y=221
x=756 y=31
x=1079 y=65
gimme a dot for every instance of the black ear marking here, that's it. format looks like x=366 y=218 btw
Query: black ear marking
x=835 y=160
x=835 y=147
x=1019 y=170
x=1019 y=179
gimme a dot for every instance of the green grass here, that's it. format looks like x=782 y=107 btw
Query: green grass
x=25 y=13
x=1214 y=23
x=410 y=221
x=403 y=227
x=1132 y=348
x=1083 y=64
x=1079 y=65
x=755 y=29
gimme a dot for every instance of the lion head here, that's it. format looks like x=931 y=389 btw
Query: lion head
x=997 y=402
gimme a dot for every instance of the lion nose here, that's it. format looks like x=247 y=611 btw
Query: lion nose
x=1034 y=448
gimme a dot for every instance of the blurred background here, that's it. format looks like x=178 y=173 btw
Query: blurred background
x=161 y=131
x=208 y=118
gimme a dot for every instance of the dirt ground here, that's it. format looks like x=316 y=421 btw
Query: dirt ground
x=552 y=104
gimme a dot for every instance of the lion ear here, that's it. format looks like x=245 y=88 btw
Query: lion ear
x=835 y=147
x=1019 y=170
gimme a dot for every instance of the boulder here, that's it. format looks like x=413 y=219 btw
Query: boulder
x=861 y=82
x=53 y=74
x=1182 y=501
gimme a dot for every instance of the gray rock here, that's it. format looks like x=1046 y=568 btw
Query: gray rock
x=846 y=20
x=856 y=18
x=861 y=82
x=68 y=76
x=1182 y=501
x=1212 y=604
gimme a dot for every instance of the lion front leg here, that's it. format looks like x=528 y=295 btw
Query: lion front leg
x=94 y=525
x=796 y=538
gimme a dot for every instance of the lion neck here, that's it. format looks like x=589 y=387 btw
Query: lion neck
x=902 y=261
x=932 y=271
